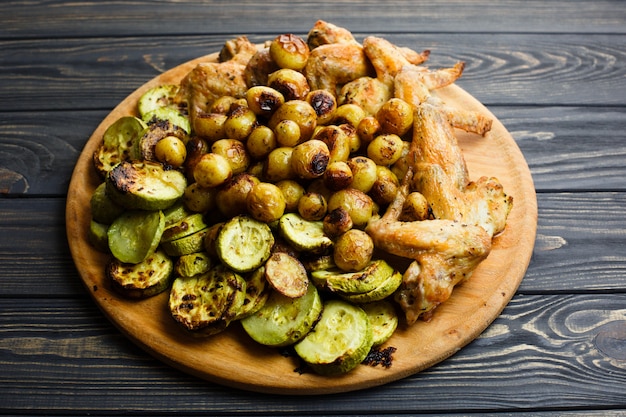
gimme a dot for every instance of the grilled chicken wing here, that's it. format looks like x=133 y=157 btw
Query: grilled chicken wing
x=323 y=33
x=468 y=214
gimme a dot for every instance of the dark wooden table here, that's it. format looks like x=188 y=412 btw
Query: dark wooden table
x=553 y=72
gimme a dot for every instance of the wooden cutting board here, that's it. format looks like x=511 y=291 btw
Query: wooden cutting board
x=233 y=359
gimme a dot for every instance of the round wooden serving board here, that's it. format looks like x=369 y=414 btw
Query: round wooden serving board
x=233 y=359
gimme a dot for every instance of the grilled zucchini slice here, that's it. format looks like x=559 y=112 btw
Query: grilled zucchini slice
x=304 y=235
x=103 y=209
x=383 y=319
x=384 y=290
x=283 y=321
x=97 y=235
x=192 y=264
x=170 y=115
x=157 y=97
x=244 y=244
x=119 y=143
x=366 y=280
x=206 y=304
x=340 y=340
x=145 y=279
x=135 y=235
x=257 y=293
x=184 y=227
x=186 y=245
x=144 y=185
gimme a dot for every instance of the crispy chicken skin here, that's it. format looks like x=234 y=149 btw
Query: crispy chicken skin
x=323 y=33
x=467 y=215
x=211 y=80
x=332 y=65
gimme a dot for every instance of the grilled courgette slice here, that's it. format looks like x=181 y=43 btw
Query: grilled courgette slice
x=384 y=290
x=170 y=115
x=119 y=143
x=184 y=227
x=103 y=209
x=366 y=280
x=145 y=279
x=206 y=304
x=339 y=341
x=244 y=244
x=157 y=97
x=192 y=264
x=283 y=321
x=383 y=319
x=144 y=185
x=304 y=235
x=135 y=235
x=186 y=245
x=257 y=293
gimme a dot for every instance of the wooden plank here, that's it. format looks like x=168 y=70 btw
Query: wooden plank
x=61 y=354
x=579 y=236
x=103 y=18
x=38 y=150
x=522 y=69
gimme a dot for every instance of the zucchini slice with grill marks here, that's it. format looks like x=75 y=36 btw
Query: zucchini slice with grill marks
x=135 y=235
x=145 y=279
x=144 y=185
x=283 y=321
x=304 y=235
x=157 y=97
x=257 y=293
x=192 y=264
x=383 y=319
x=206 y=304
x=340 y=340
x=384 y=290
x=368 y=279
x=244 y=244
x=119 y=143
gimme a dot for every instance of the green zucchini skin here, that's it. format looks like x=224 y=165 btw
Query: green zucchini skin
x=148 y=278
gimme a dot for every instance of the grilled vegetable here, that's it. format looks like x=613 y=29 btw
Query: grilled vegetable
x=192 y=264
x=368 y=279
x=135 y=235
x=184 y=227
x=244 y=244
x=156 y=132
x=257 y=293
x=97 y=235
x=145 y=279
x=103 y=209
x=156 y=97
x=382 y=291
x=119 y=143
x=340 y=340
x=205 y=304
x=171 y=115
x=286 y=275
x=185 y=245
x=283 y=321
x=144 y=185
x=383 y=319
x=302 y=234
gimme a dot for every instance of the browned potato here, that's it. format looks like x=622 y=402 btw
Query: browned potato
x=171 y=151
x=310 y=159
x=261 y=142
x=324 y=103
x=300 y=112
x=196 y=147
x=338 y=175
x=363 y=173
x=385 y=149
x=286 y=274
x=368 y=129
x=337 y=222
x=336 y=140
x=263 y=101
x=239 y=123
x=395 y=116
x=415 y=208
x=235 y=153
x=287 y=133
x=199 y=199
x=259 y=67
x=359 y=205
x=312 y=206
x=293 y=192
x=232 y=196
x=353 y=250
x=350 y=114
x=291 y=84
x=210 y=126
x=212 y=170
x=265 y=202
x=278 y=165
x=289 y=51
x=224 y=104
x=385 y=187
